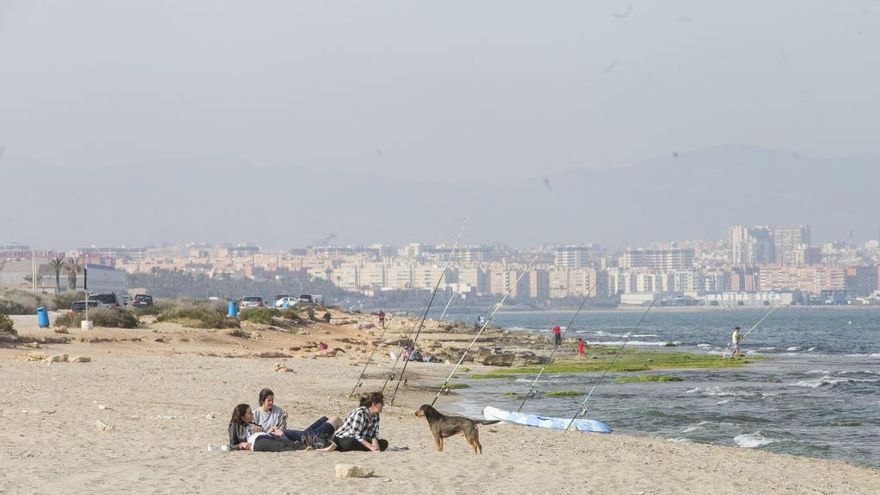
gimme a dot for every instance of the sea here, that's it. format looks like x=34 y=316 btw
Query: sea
x=817 y=394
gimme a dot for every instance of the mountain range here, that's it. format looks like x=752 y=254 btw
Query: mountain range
x=694 y=195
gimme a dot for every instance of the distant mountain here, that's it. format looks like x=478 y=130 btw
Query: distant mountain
x=226 y=199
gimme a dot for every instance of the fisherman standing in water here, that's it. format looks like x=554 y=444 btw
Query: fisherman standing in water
x=735 y=339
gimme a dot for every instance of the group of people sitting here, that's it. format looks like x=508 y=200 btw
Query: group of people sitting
x=265 y=429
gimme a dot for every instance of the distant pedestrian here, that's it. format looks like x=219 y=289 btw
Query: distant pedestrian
x=381 y=318
x=581 y=346
x=735 y=339
x=557 y=335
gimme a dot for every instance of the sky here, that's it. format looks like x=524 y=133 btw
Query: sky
x=451 y=90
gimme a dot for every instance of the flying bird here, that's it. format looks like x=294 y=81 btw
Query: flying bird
x=624 y=14
x=546 y=181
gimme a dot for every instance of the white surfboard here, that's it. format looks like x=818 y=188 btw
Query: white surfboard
x=544 y=421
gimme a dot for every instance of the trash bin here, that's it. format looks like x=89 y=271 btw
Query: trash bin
x=231 y=310
x=42 y=317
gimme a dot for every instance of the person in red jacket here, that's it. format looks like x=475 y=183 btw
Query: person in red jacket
x=581 y=346
x=557 y=335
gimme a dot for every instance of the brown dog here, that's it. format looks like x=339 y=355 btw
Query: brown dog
x=443 y=426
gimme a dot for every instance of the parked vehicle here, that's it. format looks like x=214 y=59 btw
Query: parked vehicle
x=286 y=301
x=142 y=301
x=108 y=300
x=80 y=306
x=251 y=302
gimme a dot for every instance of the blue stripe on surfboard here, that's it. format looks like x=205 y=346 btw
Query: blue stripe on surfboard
x=593 y=425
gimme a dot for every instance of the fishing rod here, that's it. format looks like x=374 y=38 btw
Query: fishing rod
x=583 y=407
x=774 y=308
x=376 y=345
x=531 y=391
x=428 y=308
x=486 y=324
x=447 y=307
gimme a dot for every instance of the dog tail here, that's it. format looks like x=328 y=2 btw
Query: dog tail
x=487 y=421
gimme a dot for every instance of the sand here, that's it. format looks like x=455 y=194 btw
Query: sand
x=163 y=403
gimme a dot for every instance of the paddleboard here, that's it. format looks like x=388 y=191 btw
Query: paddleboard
x=544 y=421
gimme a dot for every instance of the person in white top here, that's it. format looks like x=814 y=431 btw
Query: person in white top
x=273 y=420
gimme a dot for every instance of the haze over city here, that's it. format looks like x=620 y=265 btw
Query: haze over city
x=285 y=124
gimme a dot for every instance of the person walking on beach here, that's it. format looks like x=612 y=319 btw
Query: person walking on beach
x=381 y=315
x=735 y=339
x=581 y=346
x=557 y=335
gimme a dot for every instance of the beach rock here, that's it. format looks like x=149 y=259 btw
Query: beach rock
x=210 y=415
x=101 y=426
x=36 y=356
x=281 y=368
x=499 y=359
x=326 y=353
x=81 y=359
x=61 y=330
x=273 y=354
x=31 y=345
x=353 y=471
x=58 y=358
x=365 y=325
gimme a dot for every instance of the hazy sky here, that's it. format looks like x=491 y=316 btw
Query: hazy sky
x=451 y=89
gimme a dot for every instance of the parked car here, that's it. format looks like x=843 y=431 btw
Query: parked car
x=142 y=301
x=80 y=306
x=251 y=302
x=108 y=300
x=286 y=301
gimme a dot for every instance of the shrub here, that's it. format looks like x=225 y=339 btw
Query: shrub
x=19 y=302
x=311 y=313
x=257 y=315
x=110 y=318
x=114 y=318
x=327 y=317
x=67 y=320
x=198 y=317
x=291 y=314
x=6 y=324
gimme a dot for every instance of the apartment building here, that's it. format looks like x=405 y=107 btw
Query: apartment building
x=658 y=259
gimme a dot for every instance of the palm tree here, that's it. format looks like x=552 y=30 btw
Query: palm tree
x=57 y=264
x=73 y=267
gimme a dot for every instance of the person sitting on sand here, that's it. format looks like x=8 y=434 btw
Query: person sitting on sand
x=360 y=430
x=273 y=419
x=244 y=434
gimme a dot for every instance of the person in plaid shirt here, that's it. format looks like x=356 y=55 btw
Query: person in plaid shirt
x=360 y=430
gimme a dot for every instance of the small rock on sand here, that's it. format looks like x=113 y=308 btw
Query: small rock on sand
x=353 y=471
x=58 y=358
x=101 y=426
x=81 y=359
x=36 y=356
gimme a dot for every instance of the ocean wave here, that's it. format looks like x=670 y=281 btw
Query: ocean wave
x=692 y=428
x=722 y=402
x=793 y=348
x=828 y=380
x=817 y=372
x=752 y=440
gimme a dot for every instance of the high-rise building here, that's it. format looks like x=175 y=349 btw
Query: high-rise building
x=787 y=242
x=658 y=259
x=572 y=257
x=751 y=246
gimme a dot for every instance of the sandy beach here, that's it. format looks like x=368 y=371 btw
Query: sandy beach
x=140 y=415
